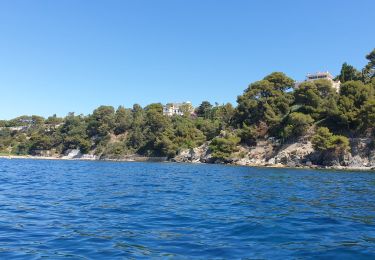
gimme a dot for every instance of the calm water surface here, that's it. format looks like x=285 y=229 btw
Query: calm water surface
x=96 y=210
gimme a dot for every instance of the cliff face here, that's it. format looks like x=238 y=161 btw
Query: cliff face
x=297 y=154
x=362 y=153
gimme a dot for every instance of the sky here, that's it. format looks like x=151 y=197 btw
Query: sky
x=67 y=56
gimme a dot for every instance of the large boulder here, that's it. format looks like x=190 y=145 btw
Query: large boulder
x=196 y=155
x=72 y=154
x=292 y=155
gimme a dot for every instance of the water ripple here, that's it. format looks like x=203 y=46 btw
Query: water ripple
x=95 y=210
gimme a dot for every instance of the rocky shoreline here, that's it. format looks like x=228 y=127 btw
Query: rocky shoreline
x=131 y=158
x=299 y=154
x=266 y=153
x=174 y=160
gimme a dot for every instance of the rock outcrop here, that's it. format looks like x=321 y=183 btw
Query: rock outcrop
x=297 y=154
x=293 y=155
x=199 y=154
x=72 y=154
x=76 y=154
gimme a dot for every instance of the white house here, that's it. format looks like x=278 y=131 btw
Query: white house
x=171 y=109
x=321 y=75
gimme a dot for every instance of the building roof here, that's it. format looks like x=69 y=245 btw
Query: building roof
x=318 y=75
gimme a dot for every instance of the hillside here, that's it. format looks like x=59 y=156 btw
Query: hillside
x=321 y=121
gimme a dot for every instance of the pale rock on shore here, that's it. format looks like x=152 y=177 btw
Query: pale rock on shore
x=297 y=154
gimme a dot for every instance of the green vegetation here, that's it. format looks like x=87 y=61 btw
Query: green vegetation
x=324 y=141
x=224 y=146
x=271 y=107
x=329 y=145
x=297 y=124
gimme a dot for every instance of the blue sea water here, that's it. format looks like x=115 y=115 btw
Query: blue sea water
x=104 y=210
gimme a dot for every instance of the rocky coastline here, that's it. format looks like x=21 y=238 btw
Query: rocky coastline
x=299 y=154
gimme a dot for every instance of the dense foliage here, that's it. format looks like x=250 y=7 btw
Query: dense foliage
x=271 y=107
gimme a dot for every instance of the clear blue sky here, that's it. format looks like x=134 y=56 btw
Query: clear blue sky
x=74 y=55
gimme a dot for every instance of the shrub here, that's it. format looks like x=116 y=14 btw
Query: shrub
x=325 y=141
x=224 y=146
x=248 y=135
x=297 y=124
